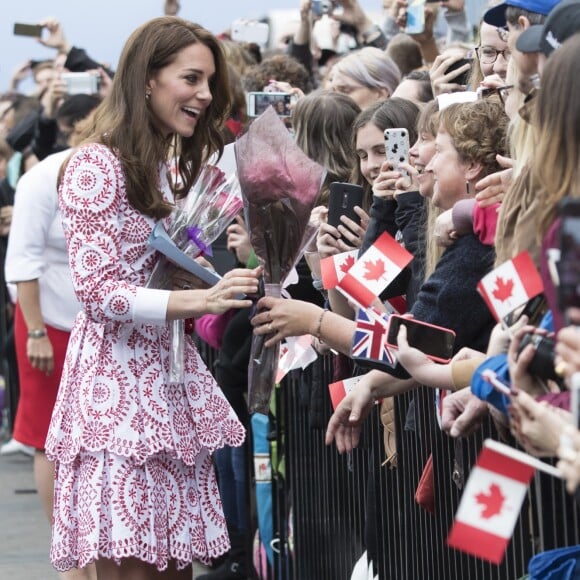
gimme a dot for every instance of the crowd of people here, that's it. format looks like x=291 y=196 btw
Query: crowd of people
x=140 y=474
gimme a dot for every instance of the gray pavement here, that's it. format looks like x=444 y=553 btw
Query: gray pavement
x=24 y=529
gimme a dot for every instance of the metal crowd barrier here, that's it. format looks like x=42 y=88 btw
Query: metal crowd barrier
x=329 y=508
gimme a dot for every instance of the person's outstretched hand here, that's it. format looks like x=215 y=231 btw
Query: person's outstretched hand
x=345 y=424
x=462 y=413
x=278 y=318
x=55 y=37
x=537 y=426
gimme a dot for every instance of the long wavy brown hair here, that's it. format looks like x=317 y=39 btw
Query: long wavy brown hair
x=125 y=123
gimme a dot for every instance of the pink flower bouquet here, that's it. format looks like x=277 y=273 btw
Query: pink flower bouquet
x=280 y=186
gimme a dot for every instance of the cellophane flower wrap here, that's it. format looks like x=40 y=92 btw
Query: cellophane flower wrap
x=280 y=186
x=197 y=221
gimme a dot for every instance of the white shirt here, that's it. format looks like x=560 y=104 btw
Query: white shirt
x=36 y=244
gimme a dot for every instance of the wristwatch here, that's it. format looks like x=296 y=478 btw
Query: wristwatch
x=37 y=333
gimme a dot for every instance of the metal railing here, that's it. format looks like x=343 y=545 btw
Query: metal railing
x=329 y=508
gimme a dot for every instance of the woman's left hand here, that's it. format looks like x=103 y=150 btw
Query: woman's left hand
x=232 y=290
x=40 y=354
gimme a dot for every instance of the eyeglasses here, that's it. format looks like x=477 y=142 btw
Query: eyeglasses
x=504 y=93
x=489 y=54
x=503 y=33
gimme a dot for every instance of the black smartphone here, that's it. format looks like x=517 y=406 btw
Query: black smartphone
x=434 y=341
x=569 y=264
x=342 y=200
x=534 y=309
x=463 y=78
x=34 y=30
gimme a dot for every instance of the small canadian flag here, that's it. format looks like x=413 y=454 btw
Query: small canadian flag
x=491 y=502
x=340 y=389
x=511 y=285
x=333 y=268
x=374 y=270
x=296 y=352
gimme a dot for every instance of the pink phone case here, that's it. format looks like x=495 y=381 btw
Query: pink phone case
x=439 y=333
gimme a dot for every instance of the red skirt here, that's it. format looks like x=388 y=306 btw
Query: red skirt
x=37 y=391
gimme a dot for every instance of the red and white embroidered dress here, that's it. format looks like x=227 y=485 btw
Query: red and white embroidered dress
x=133 y=453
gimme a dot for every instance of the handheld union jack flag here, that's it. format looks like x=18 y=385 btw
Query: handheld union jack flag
x=369 y=341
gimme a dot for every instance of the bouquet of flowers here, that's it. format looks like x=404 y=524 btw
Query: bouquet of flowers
x=198 y=220
x=280 y=185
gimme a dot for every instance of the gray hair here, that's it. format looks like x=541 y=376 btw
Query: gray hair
x=370 y=67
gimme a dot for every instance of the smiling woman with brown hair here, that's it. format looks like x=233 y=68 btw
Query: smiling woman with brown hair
x=135 y=489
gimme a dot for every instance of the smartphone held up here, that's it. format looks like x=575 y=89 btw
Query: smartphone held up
x=415 y=17
x=397 y=147
x=343 y=198
x=434 y=341
x=320 y=7
x=32 y=30
x=258 y=102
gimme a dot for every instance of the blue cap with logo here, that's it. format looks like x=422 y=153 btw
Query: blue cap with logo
x=496 y=15
x=562 y=23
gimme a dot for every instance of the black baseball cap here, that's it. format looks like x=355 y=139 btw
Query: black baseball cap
x=562 y=22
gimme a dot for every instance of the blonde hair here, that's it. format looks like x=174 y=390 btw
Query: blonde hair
x=555 y=164
x=433 y=251
x=520 y=134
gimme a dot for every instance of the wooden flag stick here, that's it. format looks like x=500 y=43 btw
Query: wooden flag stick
x=523 y=457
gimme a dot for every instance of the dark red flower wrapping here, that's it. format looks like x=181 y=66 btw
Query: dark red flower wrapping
x=280 y=186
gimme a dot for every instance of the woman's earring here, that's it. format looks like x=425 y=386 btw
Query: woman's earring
x=467 y=188
x=148 y=95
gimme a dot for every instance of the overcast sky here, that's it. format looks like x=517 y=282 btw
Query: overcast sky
x=102 y=26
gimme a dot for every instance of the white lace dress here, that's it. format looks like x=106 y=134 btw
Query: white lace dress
x=133 y=454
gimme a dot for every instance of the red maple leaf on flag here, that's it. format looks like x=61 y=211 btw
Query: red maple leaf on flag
x=347 y=264
x=374 y=270
x=492 y=501
x=503 y=289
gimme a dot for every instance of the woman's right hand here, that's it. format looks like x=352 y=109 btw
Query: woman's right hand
x=229 y=292
x=40 y=354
